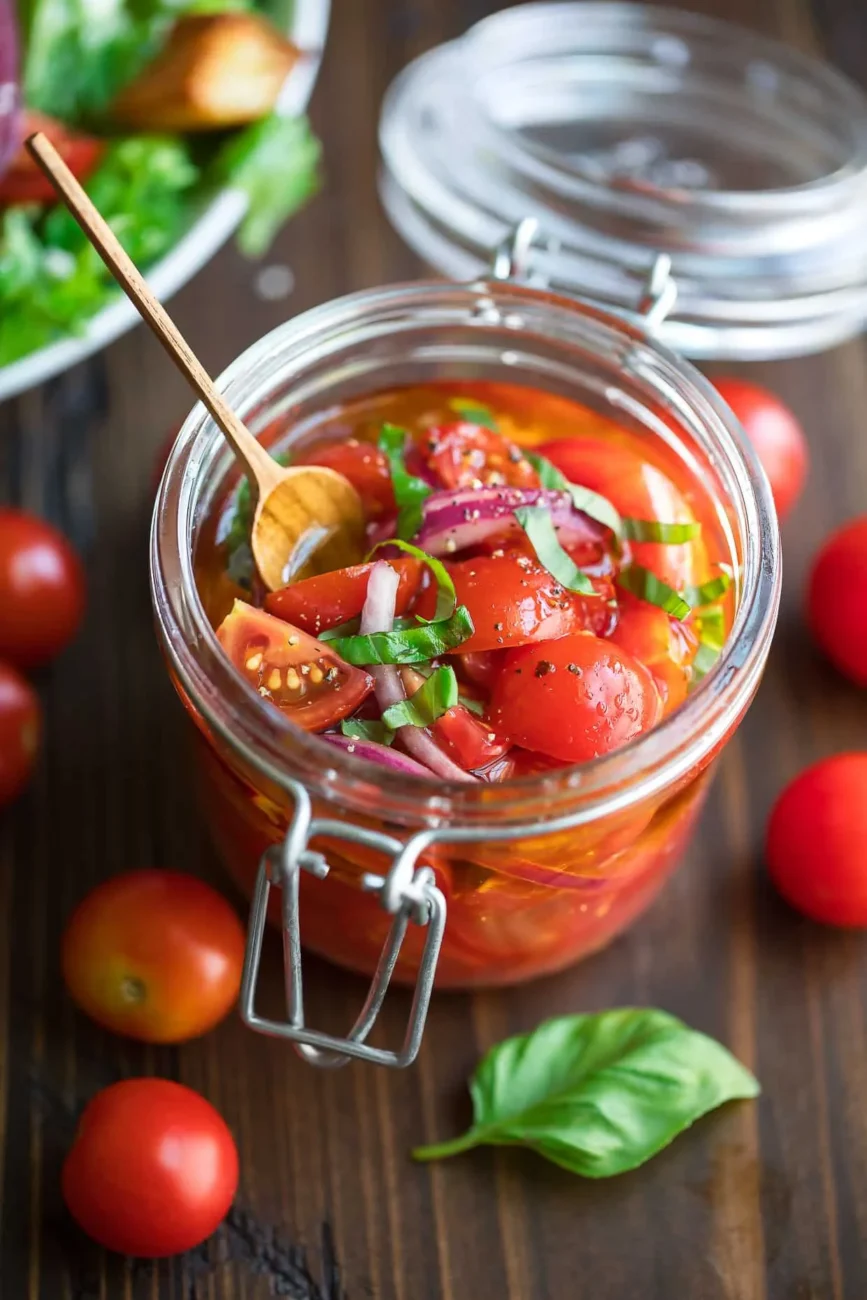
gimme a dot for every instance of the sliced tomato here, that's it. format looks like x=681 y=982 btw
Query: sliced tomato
x=665 y=646
x=574 y=698
x=23 y=182
x=303 y=677
x=469 y=740
x=512 y=600
x=639 y=489
x=329 y=599
x=466 y=455
x=481 y=667
x=365 y=467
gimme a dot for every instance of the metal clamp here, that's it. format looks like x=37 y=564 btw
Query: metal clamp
x=408 y=893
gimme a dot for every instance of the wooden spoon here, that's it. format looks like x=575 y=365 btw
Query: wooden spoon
x=307 y=520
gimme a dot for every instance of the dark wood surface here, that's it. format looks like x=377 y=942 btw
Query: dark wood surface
x=759 y=1202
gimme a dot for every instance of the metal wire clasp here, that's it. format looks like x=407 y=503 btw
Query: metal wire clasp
x=410 y=894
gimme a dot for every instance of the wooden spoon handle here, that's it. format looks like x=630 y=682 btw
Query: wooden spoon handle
x=250 y=452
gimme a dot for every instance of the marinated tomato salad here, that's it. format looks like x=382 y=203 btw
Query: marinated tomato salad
x=538 y=586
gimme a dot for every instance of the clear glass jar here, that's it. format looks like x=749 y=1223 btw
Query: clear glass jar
x=589 y=846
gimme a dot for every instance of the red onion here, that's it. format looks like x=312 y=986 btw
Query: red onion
x=373 y=752
x=453 y=521
x=9 y=136
x=378 y=616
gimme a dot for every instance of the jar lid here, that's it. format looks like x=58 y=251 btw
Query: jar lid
x=629 y=131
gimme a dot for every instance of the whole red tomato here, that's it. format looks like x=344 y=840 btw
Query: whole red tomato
x=153 y=1169
x=20 y=725
x=817 y=841
x=41 y=589
x=156 y=955
x=776 y=435
x=837 y=599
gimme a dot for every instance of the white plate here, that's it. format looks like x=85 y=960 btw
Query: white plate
x=220 y=219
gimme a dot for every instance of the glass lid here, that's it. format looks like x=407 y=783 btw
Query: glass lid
x=628 y=131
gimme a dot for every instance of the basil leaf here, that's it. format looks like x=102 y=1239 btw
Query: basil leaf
x=708 y=591
x=646 y=586
x=447 y=597
x=438 y=694
x=475 y=412
x=705 y=657
x=472 y=706
x=367 y=729
x=234 y=533
x=410 y=492
x=712 y=627
x=537 y=524
x=349 y=628
x=653 y=530
x=413 y=646
x=598 y=1094
x=589 y=503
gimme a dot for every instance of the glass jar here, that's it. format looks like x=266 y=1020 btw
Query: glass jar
x=501 y=882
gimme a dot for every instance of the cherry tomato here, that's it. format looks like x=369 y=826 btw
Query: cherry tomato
x=23 y=182
x=817 y=841
x=639 y=489
x=20 y=727
x=330 y=599
x=466 y=455
x=153 y=1169
x=574 y=698
x=665 y=646
x=512 y=600
x=481 y=667
x=365 y=467
x=154 y=954
x=41 y=590
x=776 y=435
x=304 y=678
x=469 y=740
x=837 y=599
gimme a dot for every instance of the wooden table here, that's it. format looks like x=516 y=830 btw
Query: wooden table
x=759 y=1202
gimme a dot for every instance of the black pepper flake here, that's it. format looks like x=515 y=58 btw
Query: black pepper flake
x=543 y=668
x=498 y=627
x=518 y=672
x=573 y=668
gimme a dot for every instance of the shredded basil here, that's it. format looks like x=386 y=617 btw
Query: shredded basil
x=537 y=524
x=348 y=628
x=432 y=699
x=446 y=595
x=705 y=657
x=588 y=502
x=235 y=535
x=472 y=706
x=410 y=492
x=711 y=626
x=367 y=729
x=646 y=586
x=413 y=646
x=708 y=591
x=475 y=412
x=653 y=530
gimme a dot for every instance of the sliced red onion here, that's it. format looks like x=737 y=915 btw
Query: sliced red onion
x=378 y=616
x=452 y=521
x=373 y=752
x=9 y=96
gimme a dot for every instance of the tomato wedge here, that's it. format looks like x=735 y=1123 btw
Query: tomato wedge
x=665 y=646
x=467 y=455
x=365 y=467
x=469 y=740
x=301 y=676
x=329 y=599
x=23 y=182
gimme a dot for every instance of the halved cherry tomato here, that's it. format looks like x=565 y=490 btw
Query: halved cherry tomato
x=574 y=698
x=304 y=678
x=23 y=182
x=837 y=599
x=153 y=1169
x=639 y=489
x=330 y=599
x=20 y=725
x=469 y=740
x=776 y=435
x=665 y=646
x=154 y=954
x=467 y=455
x=365 y=467
x=41 y=589
x=481 y=667
x=512 y=600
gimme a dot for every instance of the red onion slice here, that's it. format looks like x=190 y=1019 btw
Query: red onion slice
x=453 y=521
x=9 y=99
x=373 y=752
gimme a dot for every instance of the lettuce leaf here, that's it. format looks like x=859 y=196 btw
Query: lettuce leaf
x=276 y=163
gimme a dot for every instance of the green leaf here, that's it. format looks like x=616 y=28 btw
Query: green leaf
x=589 y=503
x=447 y=597
x=234 y=531
x=472 y=706
x=653 y=530
x=708 y=591
x=434 y=698
x=276 y=163
x=410 y=492
x=704 y=659
x=537 y=524
x=413 y=646
x=712 y=627
x=598 y=1094
x=475 y=412
x=367 y=729
x=646 y=586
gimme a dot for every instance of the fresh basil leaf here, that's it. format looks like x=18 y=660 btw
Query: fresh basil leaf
x=367 y=729
x=646 y=586
x=234 y=531
x=415 y=645
x=708 y=591
x=410 y=492
x=438 y=694
x=704 y=659
x=276 y=163
x=349 y=628
x=472 y=706
x=447 y=597
x=653 y=530
x=598 y=1094
x=711 y=626
x=589 y=503
x=474 y=412
x=537 y=524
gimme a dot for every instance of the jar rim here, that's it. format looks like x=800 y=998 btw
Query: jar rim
x=271 y=744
